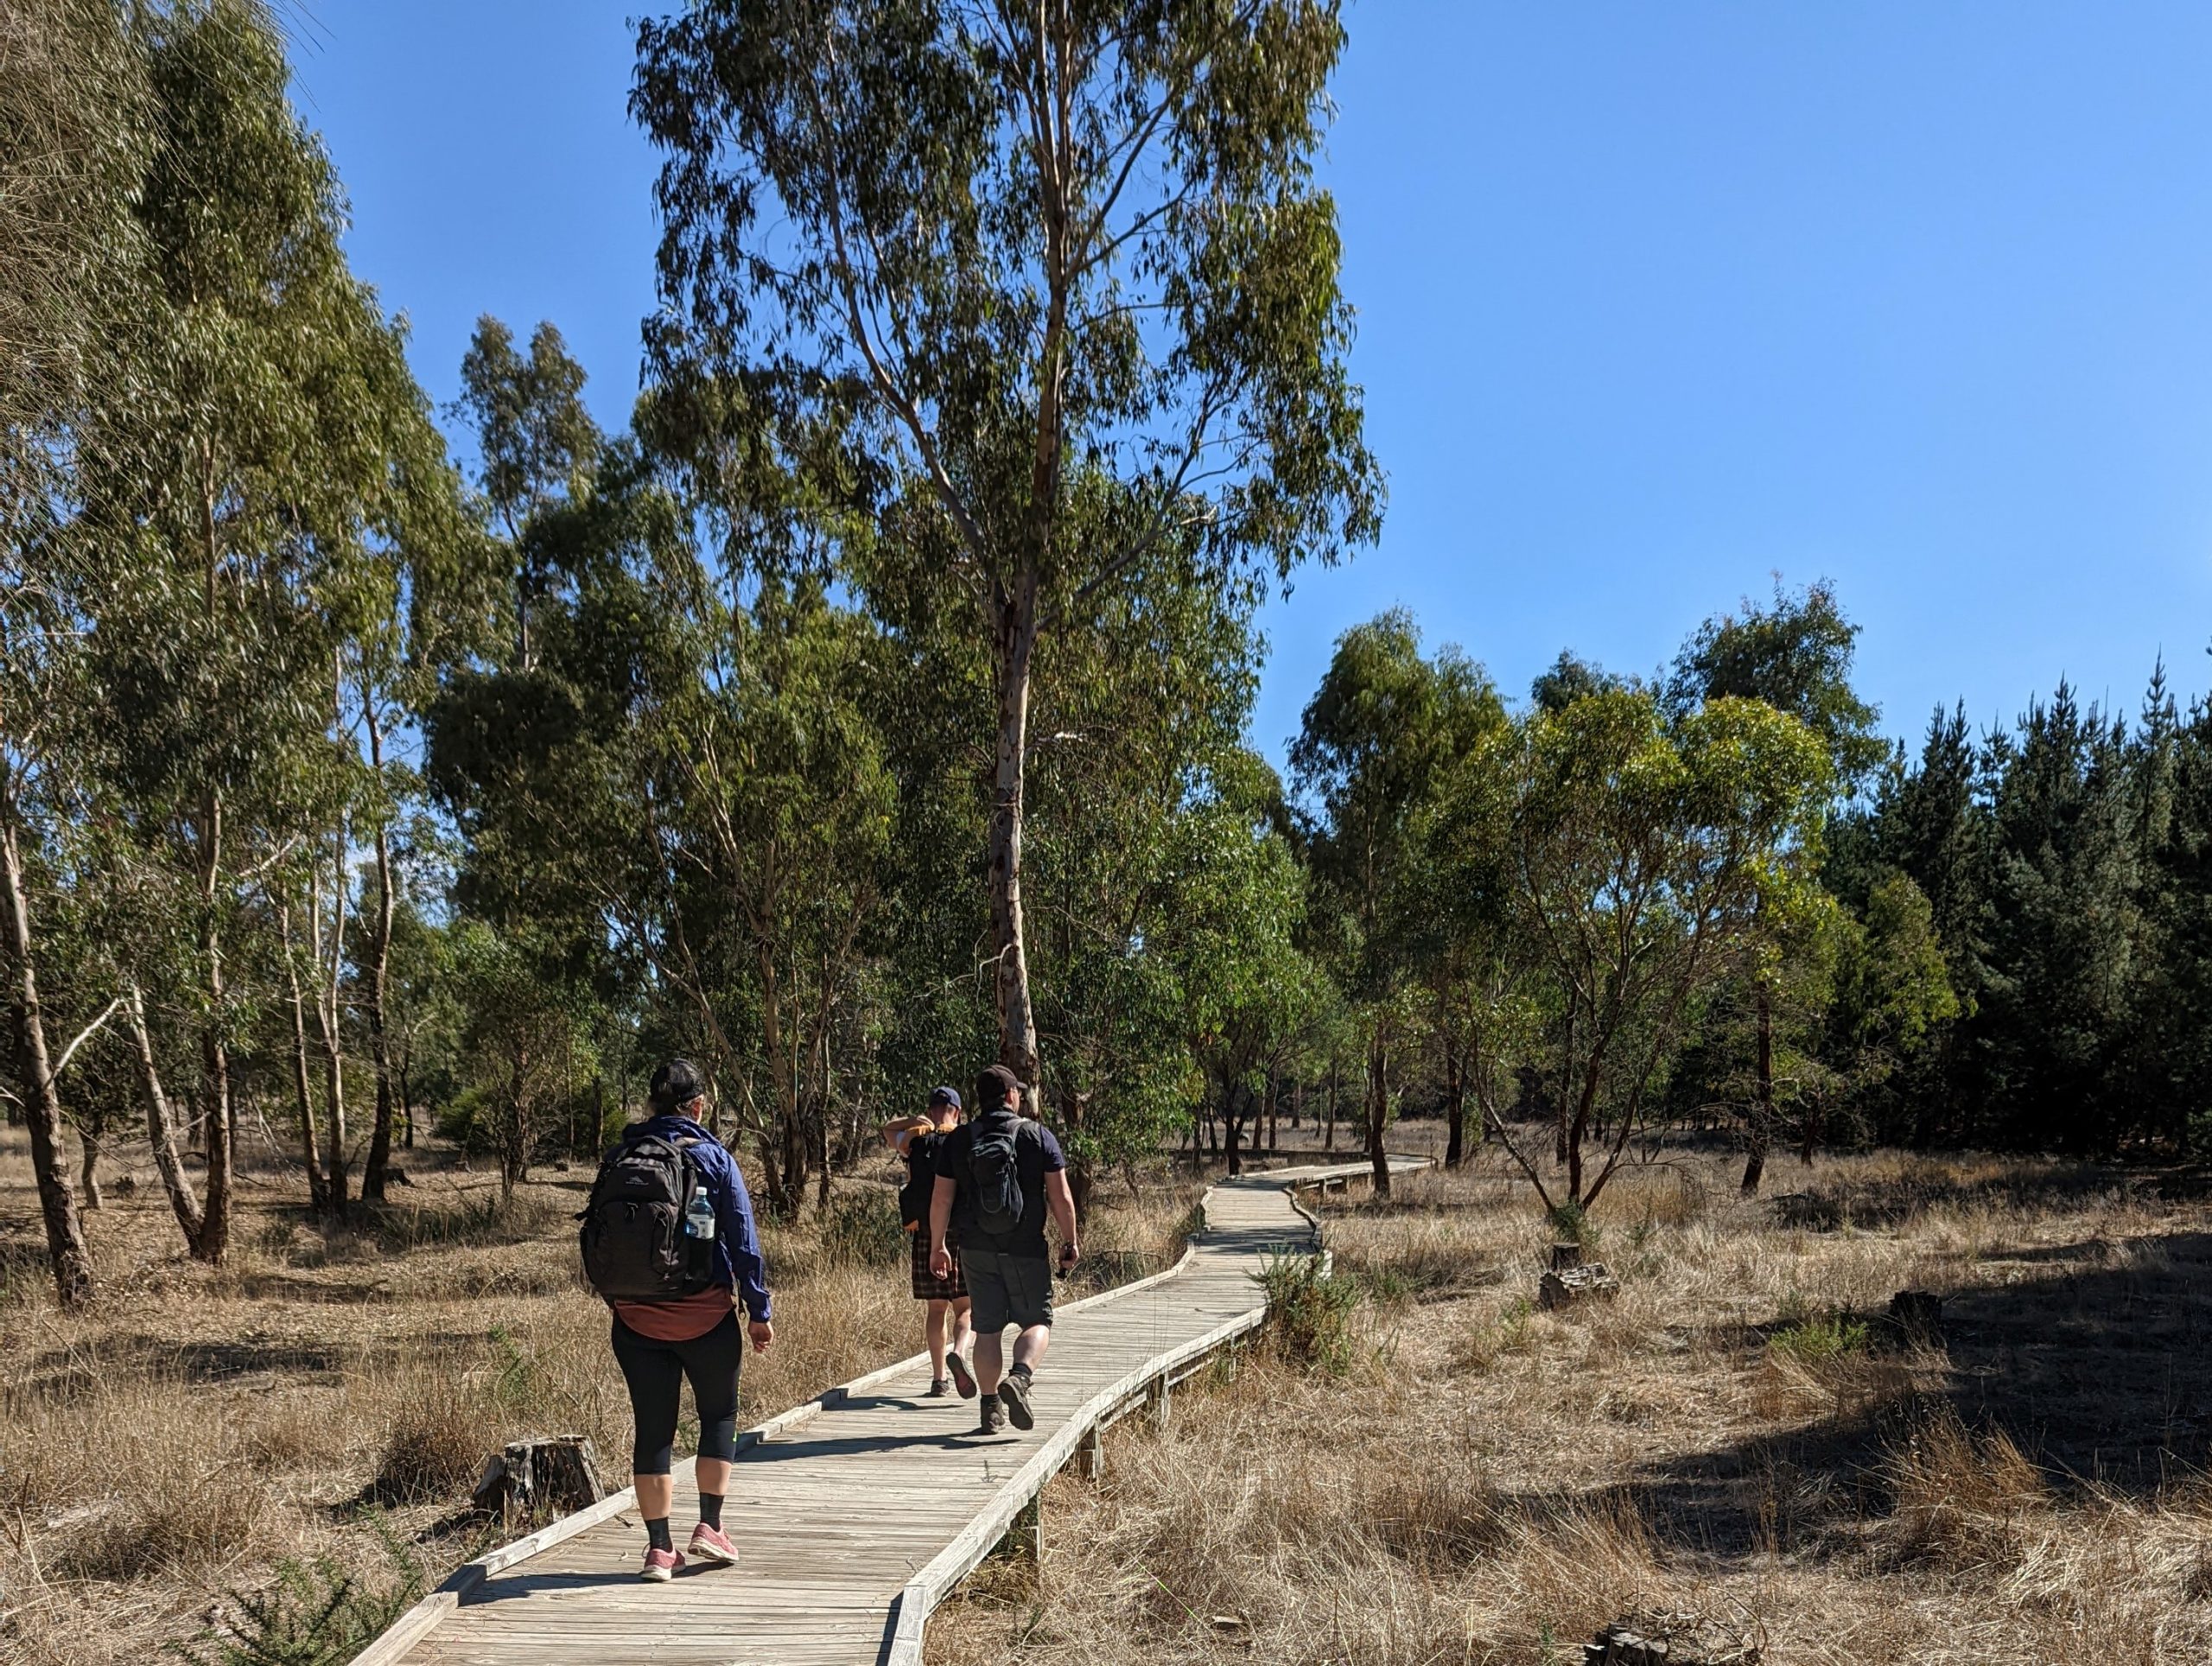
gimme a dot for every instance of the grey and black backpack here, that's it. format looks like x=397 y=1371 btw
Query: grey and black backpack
x=634 y=1245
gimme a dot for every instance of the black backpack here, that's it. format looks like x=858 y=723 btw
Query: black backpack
x=634 y=1245
x=994 y=1174
x=921 y=1181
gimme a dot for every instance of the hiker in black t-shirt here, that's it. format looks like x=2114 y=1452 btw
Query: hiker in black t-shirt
x=944 y=1312
x=997 y=1179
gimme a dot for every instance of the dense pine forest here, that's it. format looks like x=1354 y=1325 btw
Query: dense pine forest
x=878 y=702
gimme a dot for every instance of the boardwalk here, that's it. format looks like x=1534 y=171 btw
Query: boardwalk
x=878 y=1500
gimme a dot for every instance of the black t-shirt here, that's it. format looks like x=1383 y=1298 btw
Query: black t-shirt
x=1036 y=1154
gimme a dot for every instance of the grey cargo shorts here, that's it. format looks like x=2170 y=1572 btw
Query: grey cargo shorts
x=1005 y=1290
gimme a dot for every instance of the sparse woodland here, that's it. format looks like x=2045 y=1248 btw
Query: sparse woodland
x=384 y=789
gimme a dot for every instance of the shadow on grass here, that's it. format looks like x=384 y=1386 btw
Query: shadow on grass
x=1882 y=1201
x=2097 y=1367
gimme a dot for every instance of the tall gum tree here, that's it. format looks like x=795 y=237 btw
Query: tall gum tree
x=984 y=255
x=1383 y=730
x=266 y=449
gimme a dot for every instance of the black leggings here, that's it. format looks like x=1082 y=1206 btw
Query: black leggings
x=655 y=1372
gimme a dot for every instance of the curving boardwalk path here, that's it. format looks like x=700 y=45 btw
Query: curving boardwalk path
x=857 y=1513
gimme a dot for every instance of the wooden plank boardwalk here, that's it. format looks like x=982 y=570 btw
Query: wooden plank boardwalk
x=855 y=1514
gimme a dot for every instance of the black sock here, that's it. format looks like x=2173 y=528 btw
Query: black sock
x=710 y=1509
x=656 y=1535
x=990 y=1399
x=1021 y=1371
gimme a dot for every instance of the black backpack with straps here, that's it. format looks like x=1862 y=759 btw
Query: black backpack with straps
x=634 y=1245
x=921 y=1181
x=993 y=1172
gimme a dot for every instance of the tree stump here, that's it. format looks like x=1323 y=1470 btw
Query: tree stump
x=1917 y=1315
x=1592 y=1282
x=554 y=1474
x=1565 y=1255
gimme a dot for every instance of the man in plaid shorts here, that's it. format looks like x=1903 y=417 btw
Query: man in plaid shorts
x=945 y=1325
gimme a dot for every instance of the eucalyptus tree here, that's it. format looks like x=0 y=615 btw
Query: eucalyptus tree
x=1636 y=854
x=685 y=778
x=991 y=258
x=535 y=445
x=1380 y=736
x=1795 y=655
x=73 y=131
x=1249 y=993
x=1141 y=715
x=268 y=449
x=42 y=684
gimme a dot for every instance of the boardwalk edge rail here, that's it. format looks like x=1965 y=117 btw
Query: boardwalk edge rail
x=950 y=1566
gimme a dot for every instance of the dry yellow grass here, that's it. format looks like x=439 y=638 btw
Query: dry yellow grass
x=197 y=1426
x=1739 y=1437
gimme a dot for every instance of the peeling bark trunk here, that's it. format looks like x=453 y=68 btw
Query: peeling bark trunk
x=1014 y=644
x=160 y=1127
x=373 y=1171
x=214 y=1050
x=333 y=1054
x=303 y=1084
x=1566 y=1081
x=65 y=1231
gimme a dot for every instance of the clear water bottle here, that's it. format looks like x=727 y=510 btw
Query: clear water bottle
x=699 y=1216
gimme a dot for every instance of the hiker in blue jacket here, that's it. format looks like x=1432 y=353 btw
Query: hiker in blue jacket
x=675 y=1290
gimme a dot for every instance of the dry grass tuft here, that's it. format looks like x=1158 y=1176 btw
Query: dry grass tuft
x=433 y=1451
x=1963 y=1501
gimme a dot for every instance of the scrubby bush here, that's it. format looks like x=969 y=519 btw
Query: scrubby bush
x=1309 y=1313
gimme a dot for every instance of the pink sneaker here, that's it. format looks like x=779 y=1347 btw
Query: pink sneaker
x=711 y=1544
x=661 y=1566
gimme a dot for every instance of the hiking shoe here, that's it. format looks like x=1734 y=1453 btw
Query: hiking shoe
x=662 y=1566
x=994 y=1416
x=711 y=1544
x=963 y=1378
x=940 y=1389
x=1014 y=1391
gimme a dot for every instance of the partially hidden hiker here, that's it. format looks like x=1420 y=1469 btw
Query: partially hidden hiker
x=996 y=1178
x=945 y=1314
x=669 y=1242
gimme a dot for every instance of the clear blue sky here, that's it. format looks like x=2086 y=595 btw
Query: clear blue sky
x=1655 y=300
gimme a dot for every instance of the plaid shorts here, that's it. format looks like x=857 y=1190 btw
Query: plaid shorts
x=927 y=1286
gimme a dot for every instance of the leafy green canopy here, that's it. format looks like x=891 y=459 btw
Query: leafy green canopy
x=996 y=249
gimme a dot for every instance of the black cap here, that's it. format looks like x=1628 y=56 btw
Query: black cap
x=675 y=1085
x=944 y=1096
x=992 y=1088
